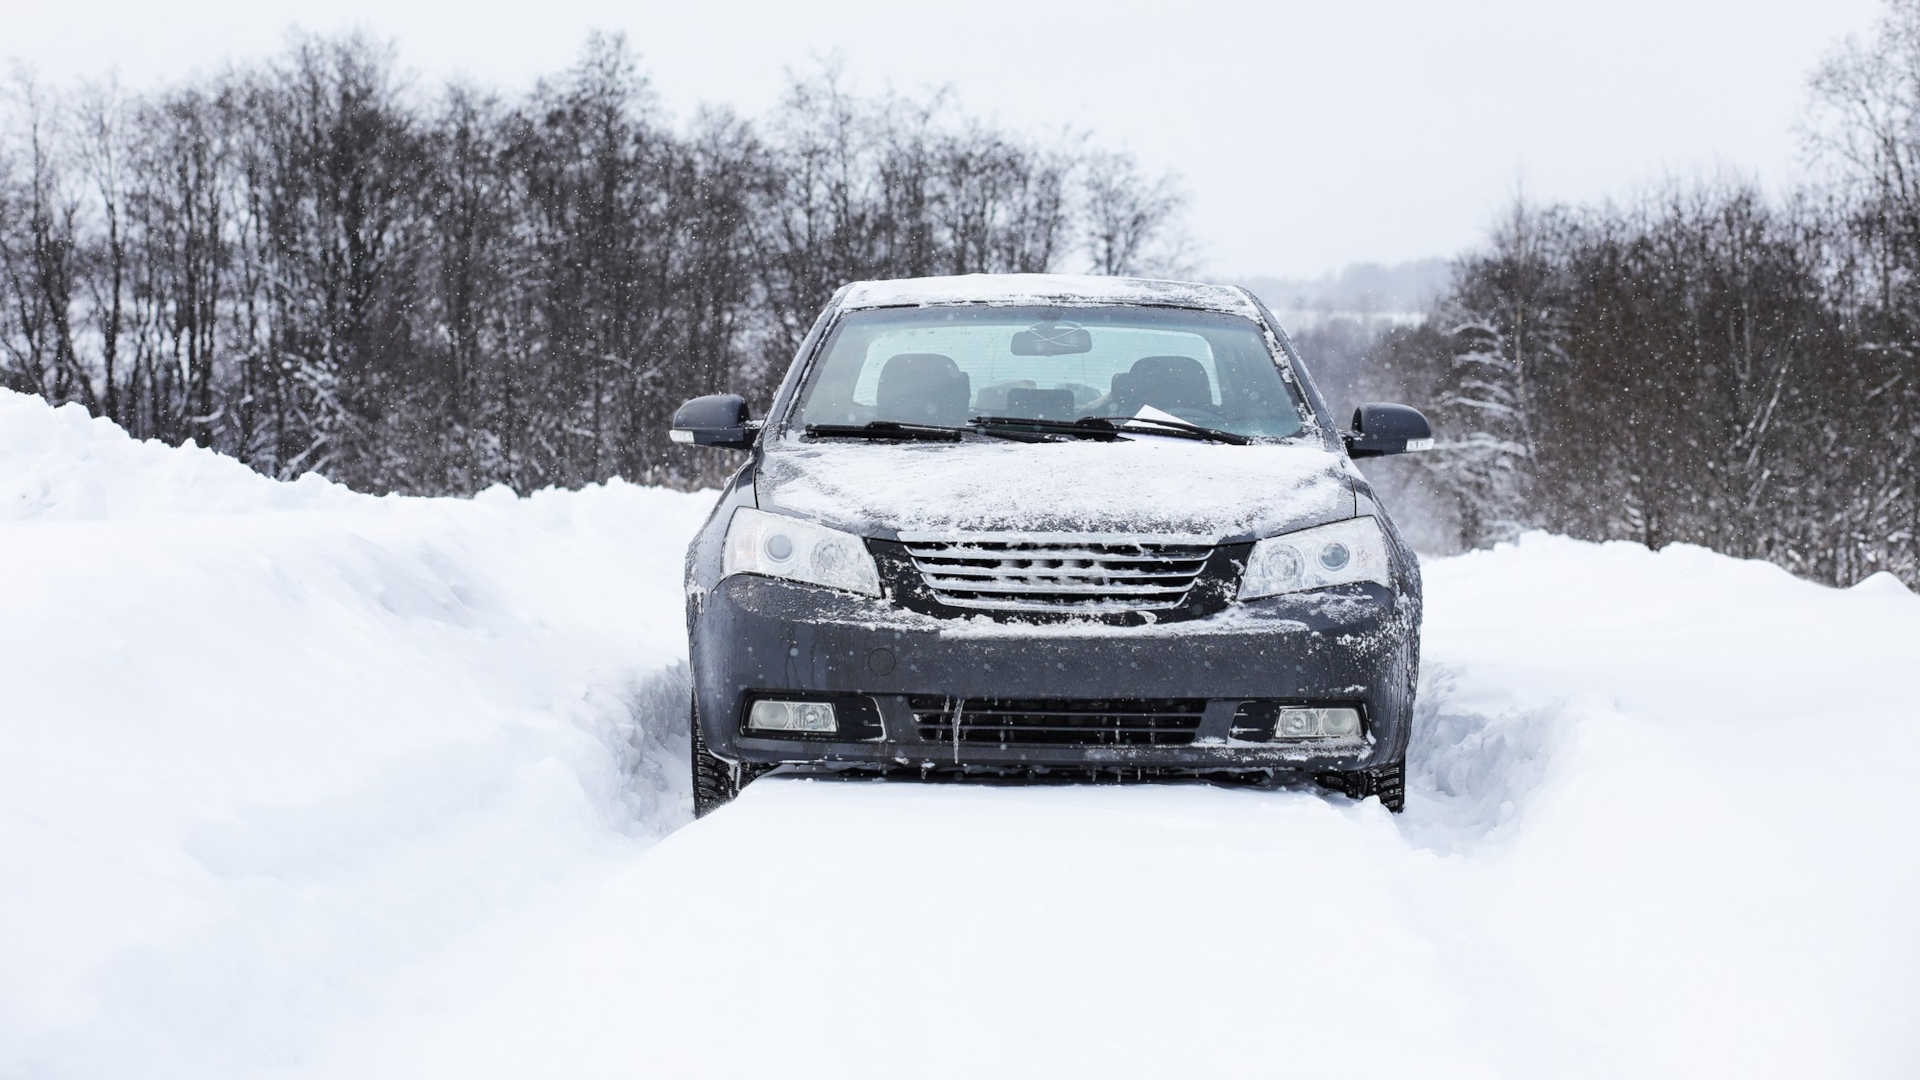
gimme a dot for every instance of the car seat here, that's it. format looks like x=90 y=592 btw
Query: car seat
x=923 y=388
x=1168 y=383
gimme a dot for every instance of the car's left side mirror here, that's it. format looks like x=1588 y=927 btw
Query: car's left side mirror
x=714 y=420
x=1380 y=429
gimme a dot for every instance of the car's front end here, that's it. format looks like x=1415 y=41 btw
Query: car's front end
x=1054 y=606
x=1296 y=683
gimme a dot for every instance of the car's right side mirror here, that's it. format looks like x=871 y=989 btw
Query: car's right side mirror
x=1381 y=428
x=715 y=420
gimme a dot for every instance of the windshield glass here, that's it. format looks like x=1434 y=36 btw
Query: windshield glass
x=946 y=364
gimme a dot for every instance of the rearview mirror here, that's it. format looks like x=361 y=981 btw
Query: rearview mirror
x=1052 y=339
x=1380 y=429
x=714 y=420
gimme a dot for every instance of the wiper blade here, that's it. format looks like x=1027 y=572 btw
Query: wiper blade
x=1024 y=429
x=887 y=429
x=1110 y=427
x=1010 y=426
x=1178 y=429
x=897 y=430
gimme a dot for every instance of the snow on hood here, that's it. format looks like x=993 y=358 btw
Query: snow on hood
x=1139 y=486
x=1047 y=289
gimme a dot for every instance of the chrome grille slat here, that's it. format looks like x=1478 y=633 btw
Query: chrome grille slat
x=1063 y=588
x=982 y=554
x=1072 y=574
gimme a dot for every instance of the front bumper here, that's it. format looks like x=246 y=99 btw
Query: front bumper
x=761 y=636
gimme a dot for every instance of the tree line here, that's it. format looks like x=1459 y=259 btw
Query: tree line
x=312 y=265
x=1701 y=365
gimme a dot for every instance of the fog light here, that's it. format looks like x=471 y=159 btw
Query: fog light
x=1300 y=723
x=1340 y=722
x=792 y=716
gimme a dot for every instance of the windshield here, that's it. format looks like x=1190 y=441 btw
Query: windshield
x=944 y=365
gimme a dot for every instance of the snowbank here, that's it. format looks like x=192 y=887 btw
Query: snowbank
x=304 y=782
x=265 y=744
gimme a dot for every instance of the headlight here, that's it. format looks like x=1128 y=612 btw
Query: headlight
x=1336 y=554
x=786 y=547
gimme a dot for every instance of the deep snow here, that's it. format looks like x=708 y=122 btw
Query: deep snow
x=298 y=781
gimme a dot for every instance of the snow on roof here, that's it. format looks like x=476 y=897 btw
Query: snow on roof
x=1047 y=289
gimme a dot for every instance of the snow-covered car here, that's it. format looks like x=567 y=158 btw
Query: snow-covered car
x=1051 y=526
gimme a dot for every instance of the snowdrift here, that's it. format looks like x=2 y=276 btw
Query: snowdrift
x=303 y=782
x=265 y=744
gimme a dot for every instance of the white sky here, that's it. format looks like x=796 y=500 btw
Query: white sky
x=1311 y=135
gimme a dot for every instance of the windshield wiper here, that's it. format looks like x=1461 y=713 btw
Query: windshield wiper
x=1009 y=426
x=887 y=429
x=1178 y=429
x=897 y=430
x=1112 y=427
x=1024 y=429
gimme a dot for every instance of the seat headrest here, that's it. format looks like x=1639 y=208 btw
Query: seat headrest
x=923 y=388
x=1164 y=382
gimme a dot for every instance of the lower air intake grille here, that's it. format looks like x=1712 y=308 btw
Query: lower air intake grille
x=1066 y=574
x=1045 y=722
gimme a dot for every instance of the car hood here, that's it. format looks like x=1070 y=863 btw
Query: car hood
x=1148 y=485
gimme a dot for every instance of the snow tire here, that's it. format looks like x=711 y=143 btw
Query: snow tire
x=715 y=780
x=1388 y=782
x=1390 y=785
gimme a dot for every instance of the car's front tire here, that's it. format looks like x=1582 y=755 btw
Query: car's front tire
x=715 y=780
x=1390 y=785
x=1386 y=782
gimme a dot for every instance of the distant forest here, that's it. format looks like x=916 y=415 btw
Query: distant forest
x=1701 y=364
x=312 y=266
x=309 y=265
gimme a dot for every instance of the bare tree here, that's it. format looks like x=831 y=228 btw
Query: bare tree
x=1132 y=220
x=39 y=253
x=311 y=265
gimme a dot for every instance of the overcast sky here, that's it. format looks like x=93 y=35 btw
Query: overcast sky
x=1311 y=135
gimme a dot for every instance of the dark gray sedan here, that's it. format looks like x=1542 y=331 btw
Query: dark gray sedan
x=1057 y=527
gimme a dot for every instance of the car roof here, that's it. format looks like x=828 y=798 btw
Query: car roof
x=1047 y=289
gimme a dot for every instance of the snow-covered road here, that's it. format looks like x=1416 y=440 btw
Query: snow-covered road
x=301 y=782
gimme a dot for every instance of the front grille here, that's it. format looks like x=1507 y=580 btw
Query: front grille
x=1050 y=722
x=1073 y=575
